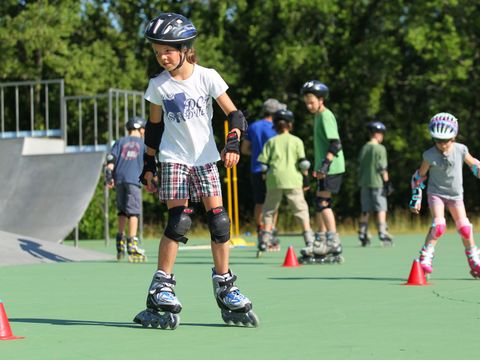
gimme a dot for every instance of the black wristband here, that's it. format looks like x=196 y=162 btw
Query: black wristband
x=149 y=165
x=306 y=181
x=108 y=176
x=325 y=166
x=233 y=144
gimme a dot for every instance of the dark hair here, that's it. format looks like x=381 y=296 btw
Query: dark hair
x=281 y=125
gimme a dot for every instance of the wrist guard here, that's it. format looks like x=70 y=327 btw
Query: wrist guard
x=325 y=166
x=418 y=181
x=475 y=169
x=149 y=165
x=108 y=176
x=153 y=134
x=306 y=181
x=387 y=188
x=233 y=143
x=416 y=200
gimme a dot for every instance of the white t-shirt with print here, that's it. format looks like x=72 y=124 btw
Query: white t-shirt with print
x=187 y=112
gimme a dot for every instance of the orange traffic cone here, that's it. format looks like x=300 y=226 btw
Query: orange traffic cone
x=5 y=330
x=417 y=275
x=290 y=259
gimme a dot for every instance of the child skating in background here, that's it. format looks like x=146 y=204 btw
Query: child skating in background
x=442 y=166
x=180 y=127
x=374 y=184
x=124 y=165
x=286 y=168
x=328 y=169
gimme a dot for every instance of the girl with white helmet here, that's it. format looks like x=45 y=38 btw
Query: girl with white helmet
x=180 y=129
x=442 y=166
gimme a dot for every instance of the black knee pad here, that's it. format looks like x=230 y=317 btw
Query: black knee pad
x=179 y=222
x=219 y=224
x=319 y=207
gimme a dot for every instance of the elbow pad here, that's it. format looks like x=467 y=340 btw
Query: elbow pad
x=236 y=120
x=335 y=146
x=303 y=164
x=110 y=159
x=153 y=134
x=264 y=167
x=382 y=169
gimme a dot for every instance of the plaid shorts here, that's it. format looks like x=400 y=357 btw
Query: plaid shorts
x=180 y=181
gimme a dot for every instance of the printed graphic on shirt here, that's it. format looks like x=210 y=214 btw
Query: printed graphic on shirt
x=130 y=151
x=178 y=108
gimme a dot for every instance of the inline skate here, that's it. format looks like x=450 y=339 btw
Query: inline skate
x=365 y=239
x=121 y=242
x=427 y=253
x=474 y=261
x=274 y=245
x=135 y=252
x=386 y=239
x=264 y=241
x=363 y=235
x=161 y=298
x=326 y=249
x=235 y=307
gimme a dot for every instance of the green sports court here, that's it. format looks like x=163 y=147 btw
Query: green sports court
x=357 y=310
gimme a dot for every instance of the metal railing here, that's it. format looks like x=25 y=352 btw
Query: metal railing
x=27 y=97
x=85 y=123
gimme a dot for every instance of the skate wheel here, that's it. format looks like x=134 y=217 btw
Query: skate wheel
x=475 y=274
x=175 y=321
x=254 y=320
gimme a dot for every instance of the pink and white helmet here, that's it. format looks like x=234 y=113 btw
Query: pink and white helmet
x=443 y=126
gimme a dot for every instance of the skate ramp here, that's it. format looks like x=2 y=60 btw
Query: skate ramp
x=22 y=250
x=45 y=191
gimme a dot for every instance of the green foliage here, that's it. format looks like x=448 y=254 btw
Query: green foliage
x=396 y=61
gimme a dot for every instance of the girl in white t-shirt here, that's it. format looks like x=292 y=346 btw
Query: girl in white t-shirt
x=443 y=163
x=180 y=128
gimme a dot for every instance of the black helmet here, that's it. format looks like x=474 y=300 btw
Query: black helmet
x=376 y=126
x=283 y=114
x=135 y=123
x=316 y=88
x=171 y=29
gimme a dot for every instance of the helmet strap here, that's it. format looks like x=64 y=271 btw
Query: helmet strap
x=183 y=56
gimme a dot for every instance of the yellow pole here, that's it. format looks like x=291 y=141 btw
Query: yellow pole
x=235 y=201
x=234 y=221
x=228 y=181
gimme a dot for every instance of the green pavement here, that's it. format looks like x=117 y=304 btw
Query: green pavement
x=357 y=310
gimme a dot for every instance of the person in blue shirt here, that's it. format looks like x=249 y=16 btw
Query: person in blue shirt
x=124 y=165
x=258 y=133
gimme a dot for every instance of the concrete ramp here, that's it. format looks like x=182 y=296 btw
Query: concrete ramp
x=44 y=191
x=21 y=250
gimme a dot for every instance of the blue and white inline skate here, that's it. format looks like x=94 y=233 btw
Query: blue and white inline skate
x=161 y=298
x=236 y=308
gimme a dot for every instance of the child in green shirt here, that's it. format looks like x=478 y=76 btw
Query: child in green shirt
x=286 y=168
x=374 y=184
x=328 y=170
